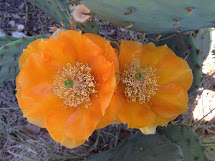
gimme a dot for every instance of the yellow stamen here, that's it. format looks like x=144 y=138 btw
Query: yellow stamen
x=74 y=84
x=140 y=83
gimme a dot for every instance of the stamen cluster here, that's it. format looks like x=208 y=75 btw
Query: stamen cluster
x=140 y=83
x=83 y=84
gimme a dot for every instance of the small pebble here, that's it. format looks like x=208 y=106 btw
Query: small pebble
x=20 y=27
x=2 y=33
x=18 y=34
x=12 y=23
x=16 y=16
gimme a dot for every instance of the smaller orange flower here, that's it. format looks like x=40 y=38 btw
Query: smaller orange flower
x=66 y=84
x=79 y=13
x=153 y=85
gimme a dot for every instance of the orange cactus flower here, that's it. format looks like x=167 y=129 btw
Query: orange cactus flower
x=153 y=85
x=79 y=13
x=66 y=83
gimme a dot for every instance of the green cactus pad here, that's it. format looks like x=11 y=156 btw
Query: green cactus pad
x=9 y=55
x=56 y=9
x=6 y=39
x=205 y=42
x=89 y=26
x=209 y=143
x=59 y=11
x=192 y=148
x=156 y=16
x=142 y=148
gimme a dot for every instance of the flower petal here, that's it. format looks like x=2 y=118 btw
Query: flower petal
x=31 y=49
x=151 y=54
x=174 y=69
x=135 y=114
x=110 y=114
x=148 y=130
x=170 y=100
x=130 y=51
x=82 y=122
x=88 y=53
x=35 y=94
x=55 y=125
x=106 y=90
x=109 y=53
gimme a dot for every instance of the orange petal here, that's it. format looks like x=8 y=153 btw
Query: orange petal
x=71 y=38
x=174 y=69
x=152 y=54
x=88 y=53
x=170 y=100
x=56 y=55
x=31 y=48
x=130 y=51
x=82 y=122
x=55 y=125
x=162 y=121
x=109 y=53
x=106 y=90
x=35 y=94
x=110 y=114
x=135 y=114
x=37 y=112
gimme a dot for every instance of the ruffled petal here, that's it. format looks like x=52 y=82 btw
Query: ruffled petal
x=55 y=125
x=110 y=114
x=109 y=53
x=135 y=114
x=174 y=69
x=170 y=100
x=31 y=49
x=106 y=90
x=88 y=53
x=130 y=51
x=82 y=122
x=148 y=130
x=35 y=94
x=151 y=55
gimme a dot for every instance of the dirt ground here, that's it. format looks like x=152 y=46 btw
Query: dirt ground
x=20 y=140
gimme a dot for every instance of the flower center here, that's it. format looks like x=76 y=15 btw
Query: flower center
x=74 y=84
x=140 y=83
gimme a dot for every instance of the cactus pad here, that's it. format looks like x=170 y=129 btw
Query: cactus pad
x=142 y=148
x=154 y=16
x=191 y=146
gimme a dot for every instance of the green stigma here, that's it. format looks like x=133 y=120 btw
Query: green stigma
x=139 y=76
x=68 y=83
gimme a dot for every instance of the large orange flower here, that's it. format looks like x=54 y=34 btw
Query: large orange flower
x=66 y=83
x=153 y=85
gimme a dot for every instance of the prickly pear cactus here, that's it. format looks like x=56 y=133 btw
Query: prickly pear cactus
x=154 y=16
x=59 y=11
x=205 y=42
x=6 y=39
x=9 y=55
x=142 y=148
x=192 y=148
